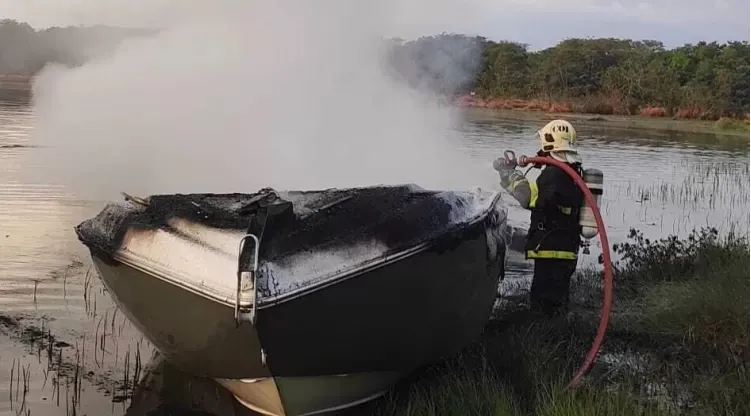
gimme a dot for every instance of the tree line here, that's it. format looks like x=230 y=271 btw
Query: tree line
x=620 y=76
x=611 y=76
x=25 y=51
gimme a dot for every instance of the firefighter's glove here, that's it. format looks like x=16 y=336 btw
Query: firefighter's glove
x=510 y=177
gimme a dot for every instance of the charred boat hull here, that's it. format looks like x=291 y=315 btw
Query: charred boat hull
x=341 y=335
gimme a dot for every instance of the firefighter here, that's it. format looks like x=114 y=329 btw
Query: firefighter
x=553 y=239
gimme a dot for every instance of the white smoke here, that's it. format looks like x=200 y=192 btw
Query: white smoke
x=234 y=96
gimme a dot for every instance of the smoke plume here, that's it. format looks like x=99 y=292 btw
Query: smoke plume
x=237 y=96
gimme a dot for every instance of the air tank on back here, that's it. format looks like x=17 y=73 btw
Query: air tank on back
x=594 y=179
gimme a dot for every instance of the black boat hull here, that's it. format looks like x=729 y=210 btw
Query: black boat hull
x=393 y=318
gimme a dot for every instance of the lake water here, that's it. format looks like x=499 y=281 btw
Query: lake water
x=64 y=348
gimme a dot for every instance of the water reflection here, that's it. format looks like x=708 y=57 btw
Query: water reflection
x=14 y=97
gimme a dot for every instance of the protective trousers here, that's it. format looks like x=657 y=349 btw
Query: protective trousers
x=550 y=285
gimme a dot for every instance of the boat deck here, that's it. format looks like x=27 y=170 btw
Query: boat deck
x=193 y=240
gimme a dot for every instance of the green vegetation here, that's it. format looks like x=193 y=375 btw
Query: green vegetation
x=728 y=124
x=605 y=76
x=677 y=345
x=625 y=76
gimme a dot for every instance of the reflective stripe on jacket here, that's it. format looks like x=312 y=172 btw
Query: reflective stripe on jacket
x=555 y=201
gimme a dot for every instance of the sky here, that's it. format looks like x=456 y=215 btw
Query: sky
x=538 y=23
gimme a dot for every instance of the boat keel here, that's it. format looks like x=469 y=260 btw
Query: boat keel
x=299 y=396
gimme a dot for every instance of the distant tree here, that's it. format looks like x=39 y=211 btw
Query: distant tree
x=445 y=64
x=18 y=47
x=24 y=50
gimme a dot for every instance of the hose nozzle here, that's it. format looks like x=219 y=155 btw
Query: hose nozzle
x=510 y=157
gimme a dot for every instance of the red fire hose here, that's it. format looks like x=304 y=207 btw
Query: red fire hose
x=607 y=275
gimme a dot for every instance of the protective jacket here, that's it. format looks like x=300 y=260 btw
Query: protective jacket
x=555 y=201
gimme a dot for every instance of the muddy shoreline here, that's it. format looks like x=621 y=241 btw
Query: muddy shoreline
x=681 y=120
x=613 y=122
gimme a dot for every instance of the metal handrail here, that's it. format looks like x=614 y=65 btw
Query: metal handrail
x=239 y=315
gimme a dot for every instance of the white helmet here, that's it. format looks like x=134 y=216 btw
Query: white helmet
x=559 y=138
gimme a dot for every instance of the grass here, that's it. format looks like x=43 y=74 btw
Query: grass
x=732 y=125
x=677 y=345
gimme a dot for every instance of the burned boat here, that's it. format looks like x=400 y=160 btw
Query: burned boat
x=303 y=302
